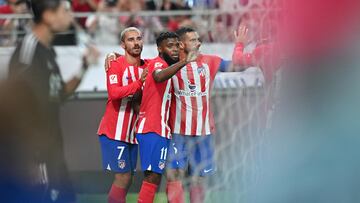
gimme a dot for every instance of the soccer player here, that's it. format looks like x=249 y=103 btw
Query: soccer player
x=191 y=120
x=125 y=76
x=265 y=55
x=34 y=63
x=153 y=132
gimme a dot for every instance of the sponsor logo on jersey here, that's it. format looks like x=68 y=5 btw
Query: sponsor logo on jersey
x=113 y=79
x=121 y=164
x=191 y=91
x=183 y=93
x=192 y=87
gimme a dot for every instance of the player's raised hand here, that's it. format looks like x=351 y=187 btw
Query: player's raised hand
x=192 y=56
x=110 y=57
x=242 y=34
x=144 y=74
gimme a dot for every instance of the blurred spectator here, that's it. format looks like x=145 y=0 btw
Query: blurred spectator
x=13 y=30
x=202 y=4
x=169 y=5
x=84 y=6
x=153 y=25
x=132 y=6
x=150 y=5
x=105 y=29
x=175 y=22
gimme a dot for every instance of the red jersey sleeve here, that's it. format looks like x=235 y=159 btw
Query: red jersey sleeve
x=116 y=89
x=157 y=64
x=265 y=56
x=260 y=54
x=244 y=59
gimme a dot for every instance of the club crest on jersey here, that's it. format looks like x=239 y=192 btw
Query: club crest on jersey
x=161 y=165
x=113 y=79
x=201 y=70
x=191 y=86
x=121 y=164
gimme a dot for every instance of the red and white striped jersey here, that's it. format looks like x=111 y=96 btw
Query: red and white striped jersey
x=155 y=103
x=190 y=112
x=123 y=80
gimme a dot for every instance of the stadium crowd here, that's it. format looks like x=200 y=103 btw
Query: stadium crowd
x=103 y=22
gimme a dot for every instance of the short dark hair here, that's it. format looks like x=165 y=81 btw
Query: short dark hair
x=38 y=7
x=165 y=35
x=183 y=30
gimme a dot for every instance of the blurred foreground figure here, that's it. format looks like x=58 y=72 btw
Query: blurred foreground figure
x=313 y=148
x=21 y=128
x=34 y=64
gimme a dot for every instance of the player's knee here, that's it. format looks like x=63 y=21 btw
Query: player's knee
x=152 y=177
x=174 y=174
x=123 y=180
x=197 y=180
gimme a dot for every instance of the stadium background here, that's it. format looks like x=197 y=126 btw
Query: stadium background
x=234 y=99
x=238 y=99
x=235 y=96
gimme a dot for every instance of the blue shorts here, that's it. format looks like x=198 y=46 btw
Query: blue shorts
x=153 y=152
x=118 y=156
x=195 y=154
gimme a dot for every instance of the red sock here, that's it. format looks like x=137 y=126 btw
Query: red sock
x=147 y=192
x=117 y=195
x=175 y=192
x=197 y=194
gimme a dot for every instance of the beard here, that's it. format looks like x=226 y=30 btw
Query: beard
x=134 y=53
x=168 y=59
x=188 y=50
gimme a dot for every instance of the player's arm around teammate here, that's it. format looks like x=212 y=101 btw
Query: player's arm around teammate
x=118 y=91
